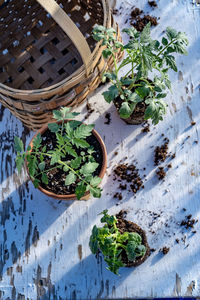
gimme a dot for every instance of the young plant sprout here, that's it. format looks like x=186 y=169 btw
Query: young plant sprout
x=72 y=154
x=111 y=243
x=144 y=57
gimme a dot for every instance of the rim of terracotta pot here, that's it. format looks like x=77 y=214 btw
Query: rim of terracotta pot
x=101 y=174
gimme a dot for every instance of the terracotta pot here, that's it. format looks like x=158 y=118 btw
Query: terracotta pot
x=101 y=174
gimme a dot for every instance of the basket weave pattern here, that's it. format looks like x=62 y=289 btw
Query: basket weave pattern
x=40 y=67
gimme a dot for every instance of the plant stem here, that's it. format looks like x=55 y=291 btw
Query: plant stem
x=66 y=165
x=172 y=41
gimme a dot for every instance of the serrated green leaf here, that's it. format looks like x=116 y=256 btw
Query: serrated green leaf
x=171 y=33
x=125 y=110
x=36 y=183
x=110 y=76
x=41 y=166
x=55 y=158
x=75 y=163
x=164 y=41
x=107 y=96
x=145 y=34
x=44 y=178
x=95 y=181
x=37 y=141
x=83 y=131
x=95 y=192
x=80 y=143
x=53 y=127
x=111 y=94
x=80 y=190
x=147 y=59
x=57 y=115
x=106 y=53
x=70 y=178
x=70 y=151
x=18 y=144
x=161 y=95
x=19 y=162
x=32 y=165
x=170 y=60
x=89 y=168
x=142 y=91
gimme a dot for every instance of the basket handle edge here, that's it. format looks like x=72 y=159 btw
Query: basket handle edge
x=68 y=26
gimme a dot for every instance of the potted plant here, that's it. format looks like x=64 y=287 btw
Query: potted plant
x=65 y=159
x=123 y=243
x=138 y=95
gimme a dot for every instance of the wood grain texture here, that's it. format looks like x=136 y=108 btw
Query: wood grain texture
x=44 y=252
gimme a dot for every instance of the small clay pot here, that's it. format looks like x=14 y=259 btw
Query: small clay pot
x=101 y=174
x=128 y=226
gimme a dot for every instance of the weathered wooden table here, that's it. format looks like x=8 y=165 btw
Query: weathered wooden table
x=44 y=252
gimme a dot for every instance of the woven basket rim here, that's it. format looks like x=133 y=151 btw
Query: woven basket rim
x=78 y=73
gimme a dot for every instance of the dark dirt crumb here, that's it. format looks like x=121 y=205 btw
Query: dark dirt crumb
x=152 y=249
x=136 y=12
x=90 y=110
x=196 y=142
x=194 y=231
x=188 y=222
x=161 y=173
x=160 y=153
x=130 y=174
x=152 y=3
x=178 y=241
x=122 y=214
x=108 y=118
x=140 y=22
x=173 y=156
x=146 y=128
x=169 y=166
x=115 y=153
x=165 y=250
x=118 y=196
x=193 y=123
x=123 y=186
x=184 y=209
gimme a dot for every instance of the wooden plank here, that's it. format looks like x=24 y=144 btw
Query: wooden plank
x=44 y=252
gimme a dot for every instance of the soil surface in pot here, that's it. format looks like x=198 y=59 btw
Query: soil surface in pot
x=56 y=177
x=128 y=226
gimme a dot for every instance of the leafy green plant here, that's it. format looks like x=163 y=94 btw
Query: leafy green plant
x=71 y=143
x=111 y=243
x=144 y=56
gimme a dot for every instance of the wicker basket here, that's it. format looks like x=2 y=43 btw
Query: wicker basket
x=48 y=58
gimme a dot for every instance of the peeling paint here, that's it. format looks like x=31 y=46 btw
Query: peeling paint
x=36 y=236
x=15 y=253
x=190 y=288
x=177 y=287
x=28 y=236
x=189 y=111
x=42 y=283
x=180 y=76
x=80 y=254
x=7 y=207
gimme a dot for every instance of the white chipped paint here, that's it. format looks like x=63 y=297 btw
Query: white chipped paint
x=51 y=266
